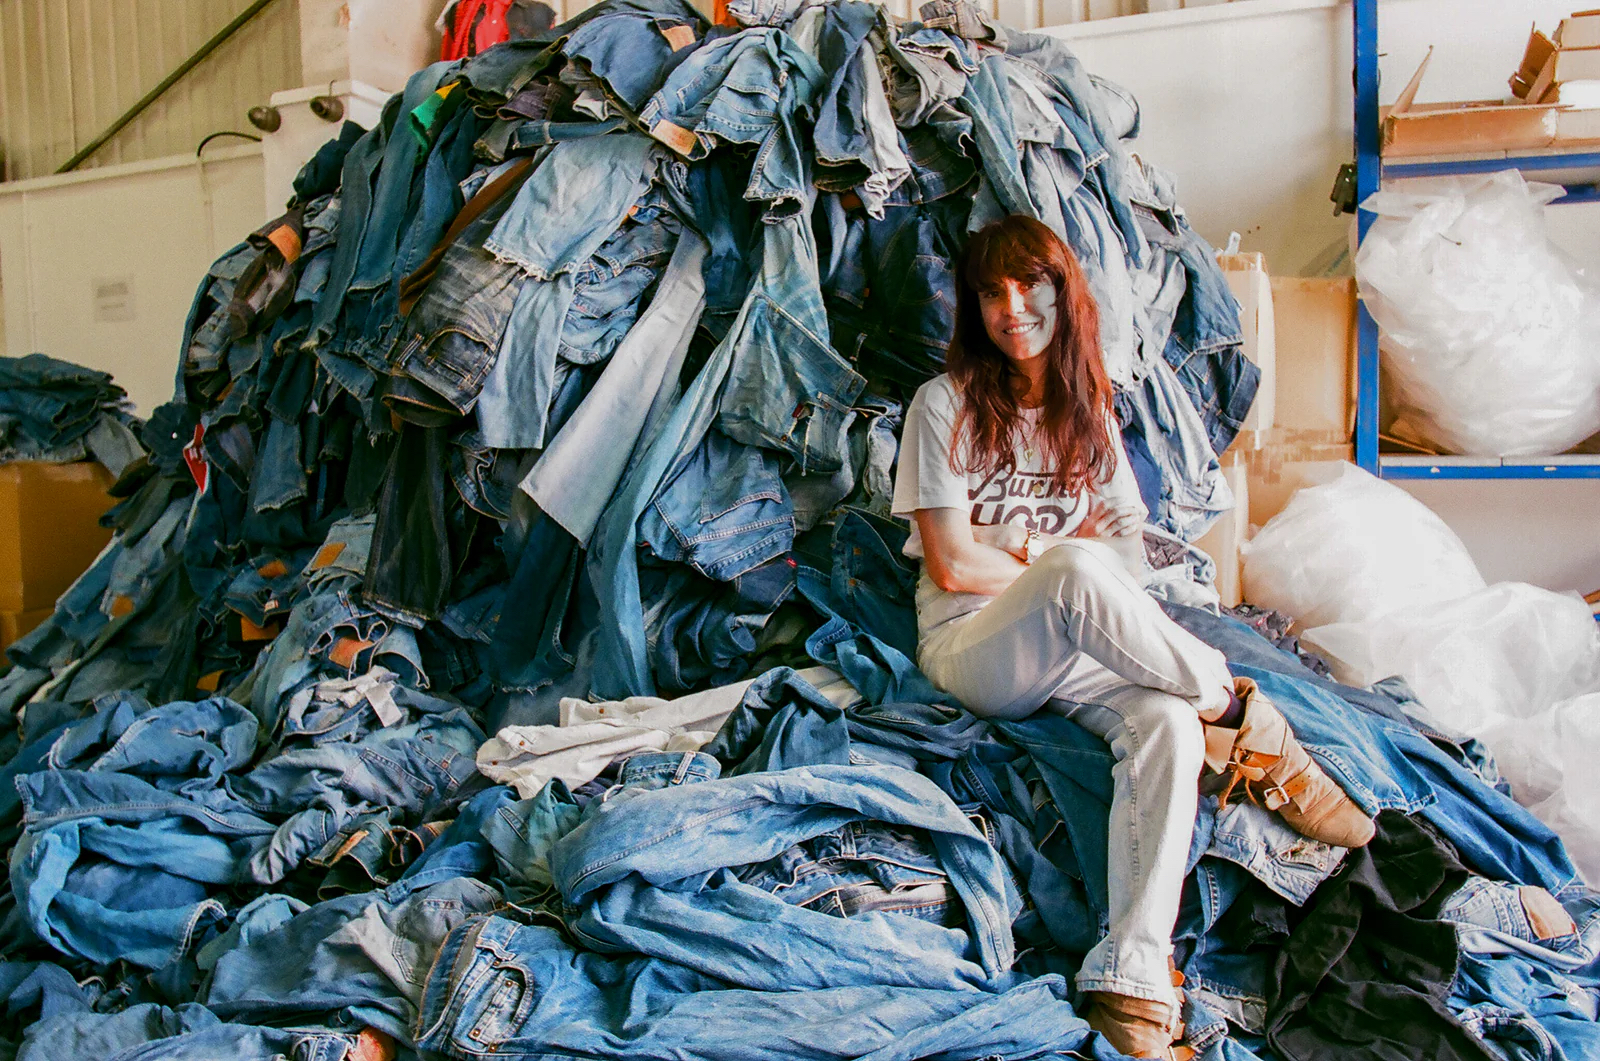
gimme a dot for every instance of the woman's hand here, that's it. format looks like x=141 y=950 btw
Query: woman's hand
x=1111 y=519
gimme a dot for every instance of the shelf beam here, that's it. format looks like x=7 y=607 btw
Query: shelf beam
x=1563 y=467
x=1369 y=174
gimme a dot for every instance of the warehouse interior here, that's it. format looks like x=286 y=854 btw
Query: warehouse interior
x=470 y=587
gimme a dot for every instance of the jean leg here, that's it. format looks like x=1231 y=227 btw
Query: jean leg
x=1159 y=745
x=1075 y=611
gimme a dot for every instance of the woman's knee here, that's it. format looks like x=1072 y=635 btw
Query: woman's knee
x=1169 y=724
x=1080 y=565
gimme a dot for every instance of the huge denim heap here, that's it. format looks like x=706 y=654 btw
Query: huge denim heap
x=581 y=374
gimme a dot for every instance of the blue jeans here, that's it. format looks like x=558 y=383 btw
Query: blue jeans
x=724 y=511
x=846 y=139
x=1193 y=491
x=453 y=333
x=787 y=389
x=516 y=990
x=118 y=852
x=733 y=383
x=986 y=103
x=150 y=1032
x=364 y=957
x=1204 y=348
x=630 y=51
x=554 y=226
x=1526 y=986
x=746 y=89
x=585 y=463
x=891 y=289
x=603 y=868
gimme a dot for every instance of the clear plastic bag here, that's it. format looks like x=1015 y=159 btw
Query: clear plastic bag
x=1353 y=549
x=1550 y=766
x=1506 y=652
x=1491 y=338
x=1515 y=666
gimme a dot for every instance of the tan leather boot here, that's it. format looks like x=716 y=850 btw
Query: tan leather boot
x=1278 y=774
x=1137 y=1027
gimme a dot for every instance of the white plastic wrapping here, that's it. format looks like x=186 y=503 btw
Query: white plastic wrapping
x=1508 y=651
x=1491 y=340
x=1517 y=667
x=1353 y=549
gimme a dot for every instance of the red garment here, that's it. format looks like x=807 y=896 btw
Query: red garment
x=473 y=26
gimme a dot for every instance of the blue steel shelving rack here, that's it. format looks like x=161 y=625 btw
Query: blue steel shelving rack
x=1370 y=172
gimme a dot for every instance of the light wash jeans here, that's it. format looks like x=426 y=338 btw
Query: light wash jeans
x=1076 y=631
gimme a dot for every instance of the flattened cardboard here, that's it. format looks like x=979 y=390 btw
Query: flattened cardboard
x=1252 y=287
x=49 y=529
x=1223 y=541
x=1476 y=127
x=1540 y=49
x=1315 y=348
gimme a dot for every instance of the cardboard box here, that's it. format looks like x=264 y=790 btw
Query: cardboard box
x=1274 y=473
x=1412 y=129
x=1564 y=64
x=1225 y=538
x=49 y=529
x=1574 y=94
x=1315 y=347
x=1251 y=286
x=1580 y=30
x=14 y=625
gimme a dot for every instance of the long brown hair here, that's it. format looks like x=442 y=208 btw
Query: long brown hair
x=1073 y=431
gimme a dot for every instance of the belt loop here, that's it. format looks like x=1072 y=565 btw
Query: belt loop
x=683 y=768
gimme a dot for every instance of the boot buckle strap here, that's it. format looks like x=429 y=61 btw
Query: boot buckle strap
x=1275 y=796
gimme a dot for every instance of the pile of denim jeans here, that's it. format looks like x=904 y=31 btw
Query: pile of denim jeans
x=59 y=412
x=575 y=385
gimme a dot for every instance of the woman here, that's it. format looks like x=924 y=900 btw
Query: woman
x=1027 y=520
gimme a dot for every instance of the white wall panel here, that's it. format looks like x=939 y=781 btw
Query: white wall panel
x=152 y=227
x=68 y=68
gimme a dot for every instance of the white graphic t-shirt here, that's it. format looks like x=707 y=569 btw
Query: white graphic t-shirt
x=1026 y=496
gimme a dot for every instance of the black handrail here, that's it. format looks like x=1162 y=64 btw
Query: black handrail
x=167 y=82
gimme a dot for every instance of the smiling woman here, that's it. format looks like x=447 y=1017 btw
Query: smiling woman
x=1028 y=522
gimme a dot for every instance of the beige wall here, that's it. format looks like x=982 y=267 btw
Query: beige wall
x=155 y=227
x=68 y=68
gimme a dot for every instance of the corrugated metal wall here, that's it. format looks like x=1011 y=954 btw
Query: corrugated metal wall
x=68 y=68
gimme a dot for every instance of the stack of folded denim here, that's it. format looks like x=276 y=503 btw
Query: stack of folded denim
x=59 y=412
x=576 y=385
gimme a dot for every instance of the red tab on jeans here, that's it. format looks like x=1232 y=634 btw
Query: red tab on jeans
x=195 y=458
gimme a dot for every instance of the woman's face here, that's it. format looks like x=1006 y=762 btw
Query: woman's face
x=1020 y=316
